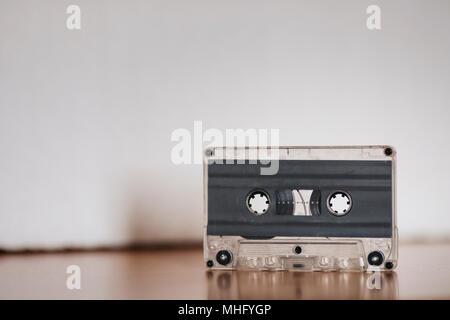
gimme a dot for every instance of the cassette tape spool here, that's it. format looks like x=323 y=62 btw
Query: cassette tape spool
x=324 y=209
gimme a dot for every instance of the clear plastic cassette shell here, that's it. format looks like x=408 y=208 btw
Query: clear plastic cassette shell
x=298 y=253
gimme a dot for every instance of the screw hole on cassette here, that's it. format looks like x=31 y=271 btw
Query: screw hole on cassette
x=389 y=265
x=224 y=257
x=209 y=263
x=375 y=258
x=258 y=202
x=388 y=151
x=339 y=203
x=298 y=249
x=209 y=152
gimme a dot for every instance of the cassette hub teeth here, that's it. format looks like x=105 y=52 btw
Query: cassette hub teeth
x=258 y=202
x=339 y=203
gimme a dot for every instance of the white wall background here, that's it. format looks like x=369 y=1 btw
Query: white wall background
x=86 y=116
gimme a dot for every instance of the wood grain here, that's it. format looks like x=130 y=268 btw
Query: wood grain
x=180 y=274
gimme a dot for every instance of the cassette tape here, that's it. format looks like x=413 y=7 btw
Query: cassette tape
x=300 y=208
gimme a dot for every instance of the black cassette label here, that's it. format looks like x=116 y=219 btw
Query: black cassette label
x=307 y=198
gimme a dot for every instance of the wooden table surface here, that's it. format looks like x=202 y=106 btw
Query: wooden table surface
x=423 y=272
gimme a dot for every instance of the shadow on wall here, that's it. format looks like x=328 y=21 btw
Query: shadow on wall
x=161 y=215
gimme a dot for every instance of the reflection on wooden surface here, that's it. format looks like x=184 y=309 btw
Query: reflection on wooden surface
x=300 y=285
x=182 y=274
